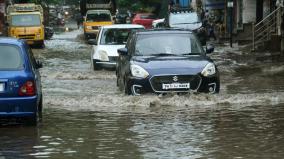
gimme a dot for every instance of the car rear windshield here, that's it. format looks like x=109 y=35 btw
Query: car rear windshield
x=116 y=36
x=10 y=58
x=167 y=43
x=98 y=17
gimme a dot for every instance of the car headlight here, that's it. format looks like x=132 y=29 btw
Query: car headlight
x=138 y=71
x=209 y=70
x=103 y=55
x=89 y=27
x=38 y=36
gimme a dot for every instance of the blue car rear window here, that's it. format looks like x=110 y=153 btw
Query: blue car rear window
x=10 y=58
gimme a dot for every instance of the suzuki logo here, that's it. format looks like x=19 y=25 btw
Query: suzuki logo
x=175 y=78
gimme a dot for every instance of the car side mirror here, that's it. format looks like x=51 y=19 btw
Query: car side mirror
x=123 y=51
x=38 y=64
x=209 y=49
x=92 y=42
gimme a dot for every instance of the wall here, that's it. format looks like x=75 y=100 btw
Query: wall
x=249 y=11
x=2 y=16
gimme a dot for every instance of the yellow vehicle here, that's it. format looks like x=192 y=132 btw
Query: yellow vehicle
x=93 y=20
x=25 y=21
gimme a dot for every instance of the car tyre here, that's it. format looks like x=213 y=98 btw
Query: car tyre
x=96 y=66
x=37 y=117
x=217 y=89
x=33 y=120
x=40 y=109
x=41 y=45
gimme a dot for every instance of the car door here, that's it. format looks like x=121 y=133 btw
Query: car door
x=35 y=70
x=125 y=60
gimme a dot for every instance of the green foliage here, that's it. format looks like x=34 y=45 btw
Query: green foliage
x=138 y=5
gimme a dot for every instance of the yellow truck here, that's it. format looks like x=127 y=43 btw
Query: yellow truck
x=93 y=20
x=25 y=21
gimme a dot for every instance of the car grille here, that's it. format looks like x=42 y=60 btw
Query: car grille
x=27 y=36
x=95 y=27
x=158 y=81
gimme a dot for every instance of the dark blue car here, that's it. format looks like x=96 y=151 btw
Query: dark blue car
x=20 y=85
x=166 y=60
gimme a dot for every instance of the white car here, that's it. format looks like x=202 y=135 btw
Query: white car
x=159 y=23
x=109 y=39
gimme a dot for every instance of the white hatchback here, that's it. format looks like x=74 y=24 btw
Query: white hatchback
x=109 y=39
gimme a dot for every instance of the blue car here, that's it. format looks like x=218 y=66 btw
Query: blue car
x=20 y=84
x=166 y=60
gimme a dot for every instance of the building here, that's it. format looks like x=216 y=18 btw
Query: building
x=2 y=16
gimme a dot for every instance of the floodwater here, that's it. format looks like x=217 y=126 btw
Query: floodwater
x=85 y=115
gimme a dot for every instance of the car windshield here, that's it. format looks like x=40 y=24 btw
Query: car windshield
x=184 y=18
x=167 y=44
x=115 y=36
x=26 y=20
x=10 y=58
x=98 y=17
x=147 y=16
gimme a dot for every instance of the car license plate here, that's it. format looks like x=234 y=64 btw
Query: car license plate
x=176 y=86
x=2 y=87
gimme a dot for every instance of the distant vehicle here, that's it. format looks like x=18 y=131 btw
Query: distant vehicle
x=20 y=84
x=26 y=22
x=48 y=32
x=163 y=61
x=86 y=5
x=159 y=23
x=95 y=19
x=121 y=16
x=110 y=38
x=187 y=19
x=144 y=19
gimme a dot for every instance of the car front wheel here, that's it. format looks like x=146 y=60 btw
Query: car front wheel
x=96 y=66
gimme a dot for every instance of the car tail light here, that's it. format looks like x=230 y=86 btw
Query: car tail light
x=27 y=89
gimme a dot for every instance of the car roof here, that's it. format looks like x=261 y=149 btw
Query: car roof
x=164 y=30
x=122 y=26
x=9 y=40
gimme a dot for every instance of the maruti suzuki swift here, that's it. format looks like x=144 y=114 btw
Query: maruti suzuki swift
x=20 y=84
x=166 y=60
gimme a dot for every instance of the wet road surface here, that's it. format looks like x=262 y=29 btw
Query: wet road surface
x=85 y=116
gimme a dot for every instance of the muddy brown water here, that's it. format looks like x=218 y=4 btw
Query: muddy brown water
x=85 y=116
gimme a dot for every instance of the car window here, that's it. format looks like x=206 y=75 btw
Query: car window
x=10 y=58
x=115 y=36
x=177 y=44
x=148 y=16
x=98 y=17
x=31 y=57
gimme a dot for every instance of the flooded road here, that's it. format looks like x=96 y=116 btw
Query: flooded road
x=85 y=116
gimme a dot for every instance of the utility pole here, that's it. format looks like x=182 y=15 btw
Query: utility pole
x=230 y=6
